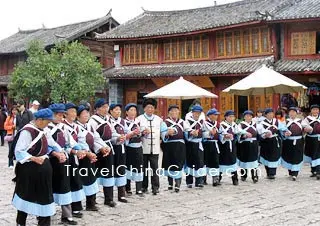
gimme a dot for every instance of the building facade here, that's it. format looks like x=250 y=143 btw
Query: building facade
x=13 y=49
x=215 y=47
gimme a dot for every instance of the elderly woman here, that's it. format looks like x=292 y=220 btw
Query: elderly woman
x=33 y=191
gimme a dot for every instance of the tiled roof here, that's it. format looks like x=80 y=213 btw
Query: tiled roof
x=297 y=65
x=4 y=79
x=300 y=9
x=218 y=67
x=157 y=23
x=49 y=36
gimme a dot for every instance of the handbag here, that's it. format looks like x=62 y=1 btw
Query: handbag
x=8 y=138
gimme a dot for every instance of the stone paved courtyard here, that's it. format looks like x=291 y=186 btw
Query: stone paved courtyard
x=279 y=202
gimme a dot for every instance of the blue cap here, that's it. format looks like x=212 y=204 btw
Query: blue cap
x=71 y=105
x=268 y=110
x=81 y=108
x=113 y=106
x=100 y=102
x=228 y=113
x=173 y=106
x=314 y=106
x=44 y=113
x=57 y=108
x=196 y=108
x=149 y=101
x=248 y=112
x=293 y=109
x=130 y=105
x=213 y=111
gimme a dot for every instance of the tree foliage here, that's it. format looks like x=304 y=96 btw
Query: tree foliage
x=67 y=72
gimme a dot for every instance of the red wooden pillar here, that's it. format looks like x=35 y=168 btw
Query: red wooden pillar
x=276 y=101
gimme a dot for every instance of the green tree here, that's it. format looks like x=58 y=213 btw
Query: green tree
x=67 y=72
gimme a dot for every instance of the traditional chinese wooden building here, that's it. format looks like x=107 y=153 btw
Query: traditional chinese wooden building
x=214 y=47
x=13 y=48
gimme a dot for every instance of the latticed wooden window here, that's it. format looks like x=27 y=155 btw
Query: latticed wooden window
x=265 y=45
x=174 y=49
x=246 y=42
x=196 y=45
x=182 y=49
x=237 y=43
x=143 y=53
x=137 y=53
x=149 y=52
x=166 y=51
x=126 y=53
x=303 y=43
x=132 y=53
x=155 y=52
x=220 y=44
x=204 y=47
x=229 y=44
x=255 y=41
x=189 y=48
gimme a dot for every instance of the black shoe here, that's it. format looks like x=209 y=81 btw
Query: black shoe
x=189 y=185
x=205 y=183
x=255 y=179
x=318 y=176
x=144 y=190
x=155 y=191
x=170 y=187
x=271 y=177
x=243 y=178
x=65 y=220
x=199 y=185
x=176 y=189
x=92 y=208
x=140 y=193
x=313 y=175
x=129 y=193
x=77 y=215
x=122 y=199
x=235 y=182
x=110 y=204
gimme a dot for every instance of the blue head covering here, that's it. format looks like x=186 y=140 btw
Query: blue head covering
x=44 y=113
x=113 y=106
x=130 y=105
x=293 y=109
x=268 y=110
x=81 y=108
x=57 y=108
x=314 y=106
x=228 y=113
x=196 y=108
x=100 y=102
x=213 y=111
x=248 y=112
x=71 y=105
x=172 y=106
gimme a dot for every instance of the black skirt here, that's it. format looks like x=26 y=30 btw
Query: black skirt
x=228 y=158
x=174 y=156
x=119 y=161
x=34 y=182
x=312 y=148
x=89 y=178
x=60 y=178
x=75 y=178
x=292 y=155
x=270 y=152
x=194 y=156
x=134 y=159
x=247 y=153
x=211 y=155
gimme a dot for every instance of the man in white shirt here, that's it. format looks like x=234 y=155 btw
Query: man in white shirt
x=35 y=106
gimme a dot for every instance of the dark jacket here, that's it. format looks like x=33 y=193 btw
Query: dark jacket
x=3 y=118
x=23 y=119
